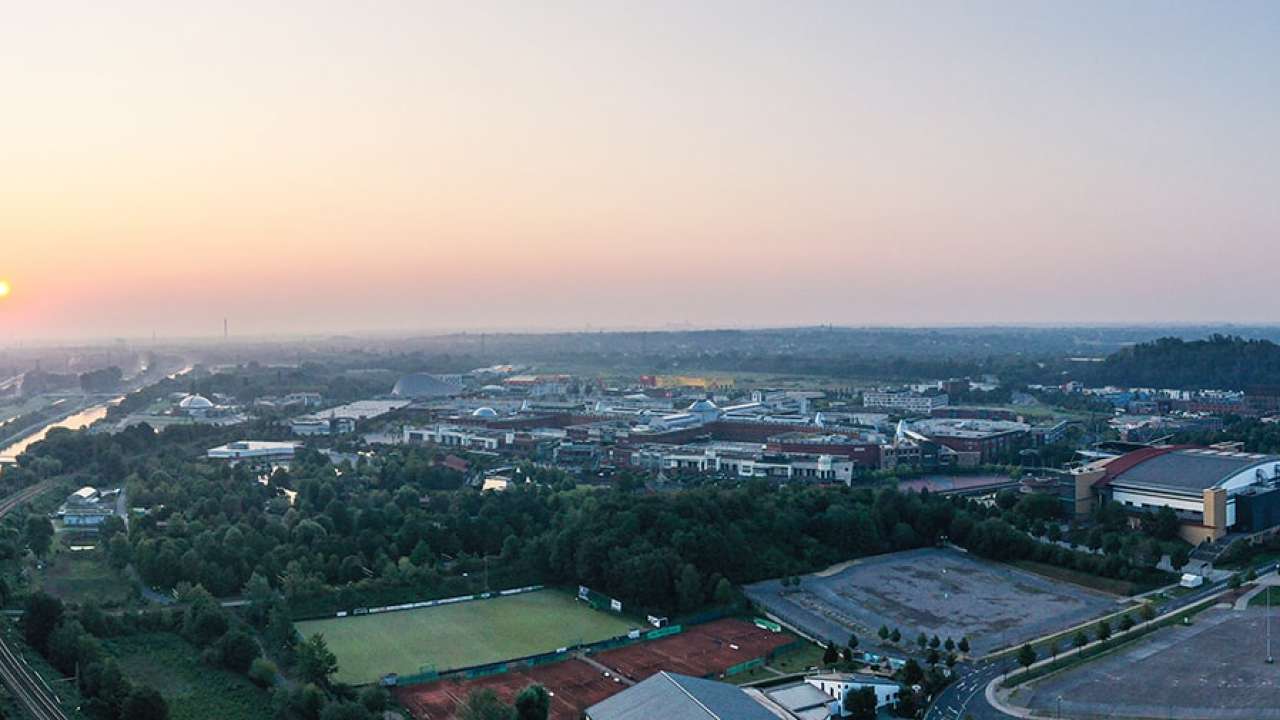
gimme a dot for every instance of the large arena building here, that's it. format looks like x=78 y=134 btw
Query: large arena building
x=1213 y=491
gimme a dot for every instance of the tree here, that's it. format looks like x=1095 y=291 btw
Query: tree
x=912 y=674
x=723 y=594
x=689 y=589
x=883 y=633
x=484 y=704
x=935 y=642
x=1080 y=639
x=951 y=660
x=949 y=645
x=1026 y=656
x=1233 y=582
x=1054 y=649
x=853 y=642
x=964 y=645
x=533 y=703
x=1104 y=630
x=315 y=662
x=861 y=704
x=144 y=703
x=39 y=534
x=1147 y=612
x=374 y=699
x=933 y=657
x=238 y=650
x=895 y=637
x=921 y=640
x=344 y=711
x=258 y=592
x=829 y=654
x=1180 y=557
x=1165 y=524
x=1126 y=622
x=40 y=617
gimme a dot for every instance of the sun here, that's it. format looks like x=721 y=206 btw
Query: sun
x=5 y=289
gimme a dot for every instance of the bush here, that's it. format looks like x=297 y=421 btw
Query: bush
x=263 y=672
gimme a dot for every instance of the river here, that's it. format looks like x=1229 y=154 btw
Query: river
x=84 y=418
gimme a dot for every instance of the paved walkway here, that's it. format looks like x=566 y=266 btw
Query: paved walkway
x=1263 y=583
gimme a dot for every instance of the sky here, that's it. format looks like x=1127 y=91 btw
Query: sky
x=315 y=167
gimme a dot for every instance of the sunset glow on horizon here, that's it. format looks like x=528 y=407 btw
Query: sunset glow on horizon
x=315 y=167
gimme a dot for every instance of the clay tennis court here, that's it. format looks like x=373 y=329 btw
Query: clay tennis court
x=574 y=685
x=701 y=651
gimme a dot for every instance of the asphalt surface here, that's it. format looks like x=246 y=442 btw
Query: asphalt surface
x=966 y=695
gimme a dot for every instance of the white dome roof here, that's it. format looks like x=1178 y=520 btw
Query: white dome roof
x=195 y=402
x=486 y=412
x=703 y=406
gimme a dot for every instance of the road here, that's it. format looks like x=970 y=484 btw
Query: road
x=966 y=697
x=26 y=686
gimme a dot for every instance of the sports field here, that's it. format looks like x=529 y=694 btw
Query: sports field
x=463 y=634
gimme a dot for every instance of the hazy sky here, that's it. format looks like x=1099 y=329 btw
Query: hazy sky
x=313 y=166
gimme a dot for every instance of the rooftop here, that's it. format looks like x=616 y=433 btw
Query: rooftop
x=671 y=696
x=1182 y=469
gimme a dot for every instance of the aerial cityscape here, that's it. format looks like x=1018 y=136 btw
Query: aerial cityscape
x=640 y=361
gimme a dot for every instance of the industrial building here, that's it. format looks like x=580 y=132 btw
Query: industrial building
x=1213 y=491
x=255 y=450
x=85 y=507
x=908 y=401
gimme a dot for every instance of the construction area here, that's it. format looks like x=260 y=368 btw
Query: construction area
x=709 y=650
x=934 y=591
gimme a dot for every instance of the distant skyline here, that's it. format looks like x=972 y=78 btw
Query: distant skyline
x=322 y=167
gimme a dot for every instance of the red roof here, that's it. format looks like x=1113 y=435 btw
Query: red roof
x=1137 y=457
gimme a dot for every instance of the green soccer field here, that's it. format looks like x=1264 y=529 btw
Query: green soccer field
x=461 y=635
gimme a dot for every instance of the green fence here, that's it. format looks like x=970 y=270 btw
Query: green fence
x=744 y=666
x=486 y=671
x=790 y=647
x=663 y=632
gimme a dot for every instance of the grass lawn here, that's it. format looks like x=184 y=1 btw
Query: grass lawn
x=194 y=691
x=461 y=635
x=1123 y=588
x=1260 y=600
x=77 y=577
x=793 y=662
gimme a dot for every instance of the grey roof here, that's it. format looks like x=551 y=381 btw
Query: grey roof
x=1190 y=471
x=799 y=696
x=671 y=696
x=423 y=385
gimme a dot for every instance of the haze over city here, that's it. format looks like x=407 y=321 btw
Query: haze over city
x=314 y=167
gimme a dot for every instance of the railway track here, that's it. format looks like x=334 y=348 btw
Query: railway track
x=30 y=690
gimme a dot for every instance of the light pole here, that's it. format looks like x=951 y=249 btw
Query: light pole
x=1270 y=659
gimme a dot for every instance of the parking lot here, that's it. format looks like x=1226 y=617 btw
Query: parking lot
x=940 y=592
x=1213 y=669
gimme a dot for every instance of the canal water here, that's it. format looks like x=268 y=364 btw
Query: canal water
x=82 y=419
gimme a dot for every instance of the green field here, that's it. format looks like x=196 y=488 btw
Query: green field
x=79 y=577
x=461 y=635
x=194 y=690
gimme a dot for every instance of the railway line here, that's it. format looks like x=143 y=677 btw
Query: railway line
x=26 y=686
